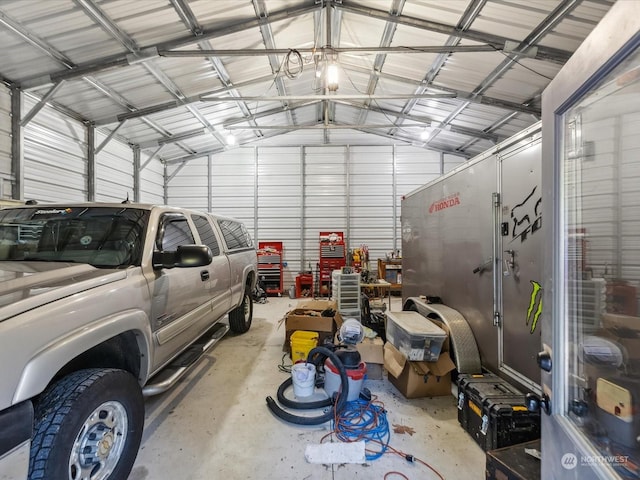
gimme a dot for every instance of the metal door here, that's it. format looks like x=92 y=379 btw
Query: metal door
x=520 y=245
x=591 y=132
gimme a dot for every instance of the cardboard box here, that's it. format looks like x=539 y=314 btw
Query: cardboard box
x=372 y=353
x=371 y=350
x=307 y=316
x=418 y=379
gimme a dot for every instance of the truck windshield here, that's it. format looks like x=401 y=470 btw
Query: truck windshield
x=105 y=237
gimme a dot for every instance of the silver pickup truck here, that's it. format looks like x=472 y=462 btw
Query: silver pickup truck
x=100 y=306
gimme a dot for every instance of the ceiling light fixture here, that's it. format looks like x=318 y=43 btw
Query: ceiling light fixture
x=332 y=76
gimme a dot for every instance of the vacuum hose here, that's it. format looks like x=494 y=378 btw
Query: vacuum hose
x=316 y=353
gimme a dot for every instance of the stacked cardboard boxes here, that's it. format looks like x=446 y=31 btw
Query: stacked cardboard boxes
x=313 y=316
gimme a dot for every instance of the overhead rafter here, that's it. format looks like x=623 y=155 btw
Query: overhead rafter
x=258 y=52
x=378 y=63
x=426 y=122
x=151 y=51
x=560 y=12
x=468 y=17
x=541 y=52
x=332 y=96
x=479 y=99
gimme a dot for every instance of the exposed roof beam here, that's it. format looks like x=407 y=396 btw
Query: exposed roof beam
x=542 y=53
x=268 y=113
x=106 y=23
x=378 y=63
x=189 y=19
x=427 y=122
x=162 y=107
x=320 y=126
x=481 y=99
x=356 y=96
x=147 y=52
x=468 y=17
x=258 y=52
x=414 y=142
x=560 y=12
x=34 y=40
x=173 y=138
x=186 y=15
x=260 y=9
x=112 y=29
x=213 y=151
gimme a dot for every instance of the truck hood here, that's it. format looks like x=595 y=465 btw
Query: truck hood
x=28 y=285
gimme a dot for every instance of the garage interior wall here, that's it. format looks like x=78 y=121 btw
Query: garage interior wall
x=55 y=166
x=283 y=193
x=292 y=193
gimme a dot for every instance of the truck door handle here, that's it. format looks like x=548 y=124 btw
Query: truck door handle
x=204 y=275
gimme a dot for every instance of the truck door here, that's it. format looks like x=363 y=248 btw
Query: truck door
x=180 y=296
x=520 y=244
x=591 y=132
x=220 y=272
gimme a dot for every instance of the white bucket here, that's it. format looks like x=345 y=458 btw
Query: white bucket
x=304 y=379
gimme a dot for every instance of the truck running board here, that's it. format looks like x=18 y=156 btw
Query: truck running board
x=465 y=349
x=182 y=364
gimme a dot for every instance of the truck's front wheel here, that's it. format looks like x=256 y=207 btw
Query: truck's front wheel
x=88 y=425
x=240 y=317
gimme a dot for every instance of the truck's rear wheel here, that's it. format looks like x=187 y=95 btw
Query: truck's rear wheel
x=88 y=425
x=240 y=317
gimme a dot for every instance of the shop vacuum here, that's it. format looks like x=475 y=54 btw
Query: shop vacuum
x=344 y=374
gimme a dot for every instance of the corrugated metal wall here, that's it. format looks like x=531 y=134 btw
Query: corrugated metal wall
x=291 y=194
x=114 y=171
x=151 y=180
x=55 y=150
x=55 y=160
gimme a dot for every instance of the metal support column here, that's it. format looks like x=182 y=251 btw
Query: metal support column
x=91 y=163
x=136 y=173
x=17 y=152
x=394 y=189
x=210 y=182
x=303 y=250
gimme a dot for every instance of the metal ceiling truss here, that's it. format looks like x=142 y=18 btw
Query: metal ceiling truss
x=333 y=11
x=560 y=12
x=378 y=63
x=469 y=15
x=541 y=53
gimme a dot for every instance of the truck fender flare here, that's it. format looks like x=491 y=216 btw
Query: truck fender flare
x=44 y=365
x=465 y=348
x=250 y=272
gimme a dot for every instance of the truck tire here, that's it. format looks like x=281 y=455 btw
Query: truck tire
x=241 y=316
x=87 y=425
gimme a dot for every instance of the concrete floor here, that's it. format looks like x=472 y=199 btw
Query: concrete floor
x=215 y=423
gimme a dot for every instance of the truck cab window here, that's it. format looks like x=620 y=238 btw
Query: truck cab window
x=175 y=232
x=207 y=236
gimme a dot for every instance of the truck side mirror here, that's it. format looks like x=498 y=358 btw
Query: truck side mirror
x=183 y=256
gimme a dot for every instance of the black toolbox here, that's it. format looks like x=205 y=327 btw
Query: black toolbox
x=494 y=412
x=514 y=462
